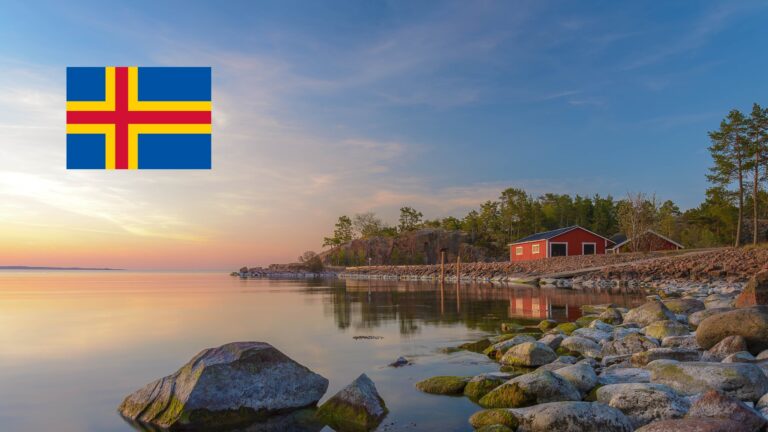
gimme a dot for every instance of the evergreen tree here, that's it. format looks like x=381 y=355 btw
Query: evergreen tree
x=757 y=126
x=341 y=234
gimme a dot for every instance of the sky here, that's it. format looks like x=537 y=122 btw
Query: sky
x=340 y=107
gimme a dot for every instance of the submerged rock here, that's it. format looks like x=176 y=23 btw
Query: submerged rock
x=477 y=346
x=481 y=385
x=233 y=384
x=571 y=417
x=400 y=362
x=443 y=385
x=644 y=403
x=356 y=407
x=531 y=389
x=750 y=323
x=743 y=381
x=715 y=404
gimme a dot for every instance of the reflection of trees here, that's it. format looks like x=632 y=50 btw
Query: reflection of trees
x=371 y=304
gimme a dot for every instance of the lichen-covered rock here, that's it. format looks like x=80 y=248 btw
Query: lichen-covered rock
x=443 y=385
x=581 y=345
x=686 y=341
x=684 y=305
x=547 y=324
x=750 y=323
x=356 y=407
x=531 y=389
x=495 y=428
x=567 y=327
x=623 y=375
x=611 y=316
x=715 y=404
x=680 y=354
x=477 y=346
x=497 y=350
x=482 y=384
x=493 y=417
x=593 y=334
x=644 y=403
x=648 y=313
x=696 y=318
x=694 y=425
x=228 y=385
x=622 y=332
x=661 y=329
x=585 y=320
x=529 y=354
x=581 y=375
x=743 y=381
x=571 y=417
x=512 y=327
x=630 y=344
x=726 y=347
x=552 y=340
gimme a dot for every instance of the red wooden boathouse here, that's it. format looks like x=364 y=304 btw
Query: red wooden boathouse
x=573 y=240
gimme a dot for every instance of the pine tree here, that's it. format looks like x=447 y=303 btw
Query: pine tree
x=758 y=136
x=730 y=154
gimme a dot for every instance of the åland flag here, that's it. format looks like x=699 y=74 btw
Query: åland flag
x=138 y=118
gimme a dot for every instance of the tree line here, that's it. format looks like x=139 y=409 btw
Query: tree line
x=739 y=150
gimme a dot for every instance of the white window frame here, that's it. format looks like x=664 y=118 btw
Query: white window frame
x=556 y=243
x=518 y=250
x=535 y=249
x=594 y=245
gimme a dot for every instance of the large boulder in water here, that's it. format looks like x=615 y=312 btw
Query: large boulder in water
x=229 y=385
x=750 y=323
x=357 y=406
x=756 y=291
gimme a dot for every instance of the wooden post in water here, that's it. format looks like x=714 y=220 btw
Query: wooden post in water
x=458 y=268
x=442 y=265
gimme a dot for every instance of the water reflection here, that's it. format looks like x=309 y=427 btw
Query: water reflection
x=478 y=306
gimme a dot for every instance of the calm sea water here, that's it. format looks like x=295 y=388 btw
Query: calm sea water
x=73 y=344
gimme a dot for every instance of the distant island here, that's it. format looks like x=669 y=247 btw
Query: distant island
x=54 y=268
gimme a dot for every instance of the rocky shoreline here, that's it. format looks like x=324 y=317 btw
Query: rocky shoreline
x=687 y=360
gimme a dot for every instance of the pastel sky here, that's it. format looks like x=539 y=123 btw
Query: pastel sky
x=329 y=108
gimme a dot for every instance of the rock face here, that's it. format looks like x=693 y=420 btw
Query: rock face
x=529 y=354
x=357 y=406
x=531 y=389
x=742 y=381
x=648 y=313
x=750 y=323
x=644 y=403
x=714 y=404
x=630 y=344
x=694 y=425
x=571 y=417
x=756 y=291
x=228 y=385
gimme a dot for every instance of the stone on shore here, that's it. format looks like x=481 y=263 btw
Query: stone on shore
x=630 y=344
x=696 y=318
x=648 y=313
x=571 y=417
x=593 y=334
x=581 y=375
x=585 y=347
x=567 y=327
x=477 y=346
x=679 y=354
x=726 y=347
x=552 y=340
x=685 y=306
x=228 y=385
x=356 y=407
x=490 y=417
x=623 y=375
x=715 y=404
x=497 y=350
x=750 y=323
x=611 y=316
x=547 y=324
x=661 y=329
x=482 y=384
x=443 y=385
x=743 y=381
x=531 y=389
x=755 y=292
x=529 y=354
x=687 y=341
x=694 y=425
x=644 y=403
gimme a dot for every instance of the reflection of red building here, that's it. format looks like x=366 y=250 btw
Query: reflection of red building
x=561 y=305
